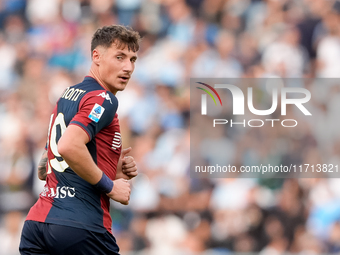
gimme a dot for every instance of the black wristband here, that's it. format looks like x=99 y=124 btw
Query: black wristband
x=105 y=184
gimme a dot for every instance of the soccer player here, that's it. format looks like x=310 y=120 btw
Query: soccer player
x=86 y=165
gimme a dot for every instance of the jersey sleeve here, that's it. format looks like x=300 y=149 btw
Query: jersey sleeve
x=96 y=111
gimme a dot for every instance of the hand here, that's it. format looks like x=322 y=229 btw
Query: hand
x=120 y=191
x=129 y=166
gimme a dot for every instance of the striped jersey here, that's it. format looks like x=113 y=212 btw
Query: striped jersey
x=67 y=199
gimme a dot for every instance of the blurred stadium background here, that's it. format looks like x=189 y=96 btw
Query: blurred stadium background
x=45 y=47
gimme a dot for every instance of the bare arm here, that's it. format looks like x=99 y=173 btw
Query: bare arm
x=42 y=167
x=72 y=147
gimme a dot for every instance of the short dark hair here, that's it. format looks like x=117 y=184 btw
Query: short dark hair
x=120 y=35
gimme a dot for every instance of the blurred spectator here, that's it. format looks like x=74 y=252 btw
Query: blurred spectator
x=12 y=223
x=328 y=49
x=286 y=58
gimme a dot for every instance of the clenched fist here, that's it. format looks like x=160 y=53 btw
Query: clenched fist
x=121 y=191
x=128 y=166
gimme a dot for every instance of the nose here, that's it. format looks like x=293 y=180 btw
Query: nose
x=129 y=66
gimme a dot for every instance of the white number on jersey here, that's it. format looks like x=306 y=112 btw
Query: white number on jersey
x=59 y=122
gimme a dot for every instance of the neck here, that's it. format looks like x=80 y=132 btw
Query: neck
x=94 y=74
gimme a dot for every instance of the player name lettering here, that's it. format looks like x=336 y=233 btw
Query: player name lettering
x=72 y=94
x=59 y=192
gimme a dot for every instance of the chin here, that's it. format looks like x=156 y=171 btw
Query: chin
x=121 y=87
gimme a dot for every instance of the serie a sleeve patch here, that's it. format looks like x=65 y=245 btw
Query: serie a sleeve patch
x=96 y=112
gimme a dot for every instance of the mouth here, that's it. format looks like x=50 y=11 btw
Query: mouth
x=124 y=78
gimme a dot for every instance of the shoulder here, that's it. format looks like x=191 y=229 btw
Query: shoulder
x=101 y=103
x=109 y=97
x=103 y=98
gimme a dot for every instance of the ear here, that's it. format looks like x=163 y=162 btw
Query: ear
x=96 y=56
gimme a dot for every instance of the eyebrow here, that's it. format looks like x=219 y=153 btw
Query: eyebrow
x=122 y=53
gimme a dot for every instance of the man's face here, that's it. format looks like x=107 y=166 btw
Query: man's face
x=116 y=66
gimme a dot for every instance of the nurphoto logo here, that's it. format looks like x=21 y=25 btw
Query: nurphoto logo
x=289 y=96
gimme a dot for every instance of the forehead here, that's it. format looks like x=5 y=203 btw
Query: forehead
x=121 y=48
